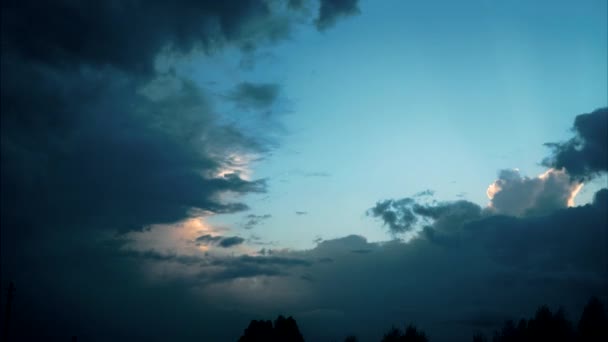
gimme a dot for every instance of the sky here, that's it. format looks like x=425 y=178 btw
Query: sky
x=174 y=170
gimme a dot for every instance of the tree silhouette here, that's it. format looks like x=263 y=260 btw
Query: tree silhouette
x=258 y=331
x=351 y=338
x=554 y=326
x=284 y=330
x=411 y=334
x=593 y=325
x=511 y=332
x=548 y=326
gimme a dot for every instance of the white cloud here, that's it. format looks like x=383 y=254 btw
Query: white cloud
x=517 y=195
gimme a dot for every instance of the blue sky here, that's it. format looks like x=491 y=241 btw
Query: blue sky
x=409 y=96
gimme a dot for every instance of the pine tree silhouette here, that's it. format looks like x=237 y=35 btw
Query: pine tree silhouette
x=593 y=324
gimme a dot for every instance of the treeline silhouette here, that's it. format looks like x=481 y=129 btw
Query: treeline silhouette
x=554 y=326
x=544 y=326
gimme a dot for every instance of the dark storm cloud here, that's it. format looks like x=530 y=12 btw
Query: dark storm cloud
x=255 y=96
x=87 y=150
x=87 y=142
x=331 y=10
x=587 y=153
x=86 y=139
x=100 y=133
x=128 y=35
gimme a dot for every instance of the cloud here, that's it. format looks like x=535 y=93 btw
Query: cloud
x=255 y=96
x=408 y=215
x=396 y=214
x=477 y=263
x=207 y=238
x=425 y=193
x=301 y=213
x=86 y=150
x=98 y=128
x=102 y=133
x=331 y=10
x=222 y=241
x=105 y=34
x=585 y=155
x=231 y=241
x=511 y=194
x=254 y=220
x=515 y=195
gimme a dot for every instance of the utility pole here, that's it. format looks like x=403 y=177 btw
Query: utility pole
x=9 y=299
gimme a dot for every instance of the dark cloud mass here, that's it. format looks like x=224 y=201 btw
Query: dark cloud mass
x=482 y=265
x=100 y=133
x=128 y=35
x=331 y=10
x=94 y=136
x=587 y=153
x=86 y=150
x=88 y=142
